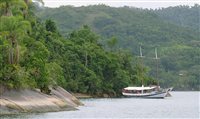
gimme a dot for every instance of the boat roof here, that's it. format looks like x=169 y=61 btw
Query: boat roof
x=140 y=88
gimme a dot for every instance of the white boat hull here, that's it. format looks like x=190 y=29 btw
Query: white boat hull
x=147 y=95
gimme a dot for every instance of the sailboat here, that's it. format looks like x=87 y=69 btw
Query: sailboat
x=146 y=91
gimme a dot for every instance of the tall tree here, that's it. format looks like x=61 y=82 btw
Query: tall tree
x=8 y=5
x=13 y=29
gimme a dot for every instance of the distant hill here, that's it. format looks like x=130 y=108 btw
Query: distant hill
x=174 y=31
x=182 y=15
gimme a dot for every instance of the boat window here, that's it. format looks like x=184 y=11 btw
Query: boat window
x=139 y=91
x=148 y=91
x=134 y=91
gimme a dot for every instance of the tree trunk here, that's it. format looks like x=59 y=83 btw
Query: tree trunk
x=14 y=50
x=8 y=11
x=25 y=12
x=16 y=53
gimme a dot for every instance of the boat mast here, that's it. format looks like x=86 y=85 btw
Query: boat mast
x=141 y=61
x=156 y=58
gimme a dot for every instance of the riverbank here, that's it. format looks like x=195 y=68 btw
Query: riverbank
x=81 y=95
x=33 y=101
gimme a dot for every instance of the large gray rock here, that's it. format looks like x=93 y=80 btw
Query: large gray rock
x=20 y=101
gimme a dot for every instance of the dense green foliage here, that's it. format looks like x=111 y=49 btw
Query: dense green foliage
x=174 y=31
x=23 y=58
x=33 y=54
x=182 y=15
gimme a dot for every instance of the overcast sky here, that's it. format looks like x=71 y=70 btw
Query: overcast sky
x=119 y=3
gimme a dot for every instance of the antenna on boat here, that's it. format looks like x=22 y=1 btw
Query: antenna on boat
x=156 y=58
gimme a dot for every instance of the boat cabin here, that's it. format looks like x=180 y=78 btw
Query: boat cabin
x=139 y=90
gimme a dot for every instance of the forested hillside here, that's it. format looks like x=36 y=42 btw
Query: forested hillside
x=182 y=15
x=34 y=54
x=178 y=43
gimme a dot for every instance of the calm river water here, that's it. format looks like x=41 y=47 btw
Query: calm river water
x=180 y=105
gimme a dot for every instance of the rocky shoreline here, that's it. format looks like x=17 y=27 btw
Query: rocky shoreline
x=33 y=101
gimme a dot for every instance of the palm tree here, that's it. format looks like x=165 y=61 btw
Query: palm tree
x=13 y=29
x=8 y=5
